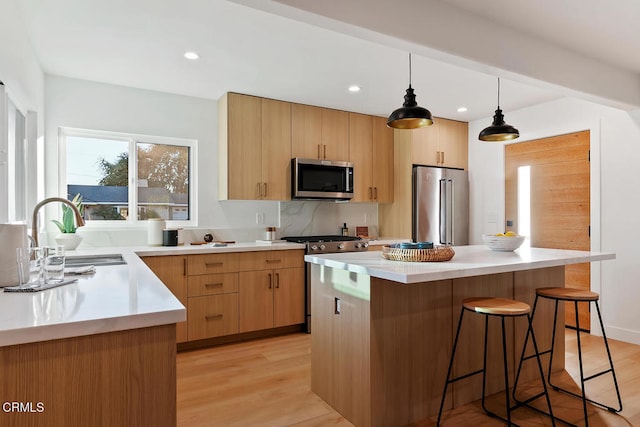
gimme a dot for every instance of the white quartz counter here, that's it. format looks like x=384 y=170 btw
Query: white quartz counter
x=468 y=261
x=117 y=297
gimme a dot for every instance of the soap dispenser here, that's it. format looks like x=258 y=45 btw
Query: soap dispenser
x=345 y=230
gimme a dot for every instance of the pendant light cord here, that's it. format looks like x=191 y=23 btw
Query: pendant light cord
x=409 y=69
x=498 y=93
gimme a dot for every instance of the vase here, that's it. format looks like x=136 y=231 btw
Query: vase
x=70 y=241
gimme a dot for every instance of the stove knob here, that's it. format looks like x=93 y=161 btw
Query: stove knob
x=358 y=245
x=314 y=248
x=322 y=247
x=341 y=246
x=365 y=245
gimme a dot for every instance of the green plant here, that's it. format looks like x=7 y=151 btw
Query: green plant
x=68 y=218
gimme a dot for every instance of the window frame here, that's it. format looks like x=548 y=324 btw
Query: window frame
x=131 y=139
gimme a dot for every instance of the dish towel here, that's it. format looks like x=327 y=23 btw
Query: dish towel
x=38 y=287
x=74 y=271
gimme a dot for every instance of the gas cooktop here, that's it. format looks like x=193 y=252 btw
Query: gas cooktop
x=330 y=244
x=318 y=239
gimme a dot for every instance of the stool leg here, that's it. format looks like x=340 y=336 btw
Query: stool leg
x=524 y=348
x=613 y=372
x=506 y=369
x=453 y=352
x=553 y=345
x=484 y=365
x=584 y=398
x=544 y=385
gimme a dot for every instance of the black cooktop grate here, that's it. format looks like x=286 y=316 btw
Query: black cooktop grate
x=325 y=238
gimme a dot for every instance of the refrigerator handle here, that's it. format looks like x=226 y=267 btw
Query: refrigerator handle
x=452 y=212
x=443 y=217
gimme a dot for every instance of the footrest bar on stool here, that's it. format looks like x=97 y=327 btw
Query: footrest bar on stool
x=579 y=396
x=452 y=380
x=598 y=374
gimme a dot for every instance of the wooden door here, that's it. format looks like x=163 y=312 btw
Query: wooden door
x=255 y=300
x=171 y=270
x=382 y=169
x=560 y=202
x=276 y=150
x=244 y=147
x=453 y=143
x=288 y=297
x=360 y=154
x=306 y=131
x=424 y=144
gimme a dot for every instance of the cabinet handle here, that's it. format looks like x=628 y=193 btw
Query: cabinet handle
x=213 y=317
x=319 y=158
x=184 y=266
x=442 y=159
x=370 y=193
x=265 y=190
x=324 y=152
x=213 y=264
x=277 y=280
x=270 y=280
x=258 y=190
x=271 y=261
x=375 y=193
x=212 y=285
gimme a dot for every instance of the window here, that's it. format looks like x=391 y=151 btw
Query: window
x=128 y=178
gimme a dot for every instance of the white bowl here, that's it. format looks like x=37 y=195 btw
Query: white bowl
x=502 y=243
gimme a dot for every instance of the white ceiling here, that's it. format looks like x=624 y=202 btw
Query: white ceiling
x=279 y=50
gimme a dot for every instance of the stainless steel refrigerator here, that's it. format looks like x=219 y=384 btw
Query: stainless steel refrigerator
x=440 y=205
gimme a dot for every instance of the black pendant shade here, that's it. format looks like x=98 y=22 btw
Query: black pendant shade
x=499 y=130
x=410 y=115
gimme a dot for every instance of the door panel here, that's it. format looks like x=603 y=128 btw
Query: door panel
x=560 y=201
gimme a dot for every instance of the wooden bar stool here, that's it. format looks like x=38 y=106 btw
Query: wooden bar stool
x=502 y=308
x=576 y=296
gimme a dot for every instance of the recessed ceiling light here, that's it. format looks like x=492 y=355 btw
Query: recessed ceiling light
x=354 y=88
x=191 y=55
x=462 y=109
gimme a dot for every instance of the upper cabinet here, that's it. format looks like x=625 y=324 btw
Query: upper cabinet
x=442 y=144
x=371 y=152
x=254 y=148
x=319 y=133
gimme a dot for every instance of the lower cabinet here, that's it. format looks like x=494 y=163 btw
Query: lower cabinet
x=231 y=293
x=271 y=298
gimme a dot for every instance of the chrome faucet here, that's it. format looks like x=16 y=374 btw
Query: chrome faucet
x=34 y=219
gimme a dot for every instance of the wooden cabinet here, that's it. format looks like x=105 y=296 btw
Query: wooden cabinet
x=445 y=143
x=371 y=152
x=172 y=271
x=319 y=133
x=271 y=289
x=254 y=148
x=212 y=289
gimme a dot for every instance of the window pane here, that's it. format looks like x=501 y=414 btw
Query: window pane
x=163 y=181
x=97 y=169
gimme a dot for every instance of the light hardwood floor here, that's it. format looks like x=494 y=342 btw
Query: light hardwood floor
x=267 y=383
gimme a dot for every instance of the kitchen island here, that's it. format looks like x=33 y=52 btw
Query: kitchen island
x=383 y=330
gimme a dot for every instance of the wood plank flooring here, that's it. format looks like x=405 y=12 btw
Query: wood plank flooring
x=267 y=383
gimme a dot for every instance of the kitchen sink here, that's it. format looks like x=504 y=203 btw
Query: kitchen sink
x=96 y=260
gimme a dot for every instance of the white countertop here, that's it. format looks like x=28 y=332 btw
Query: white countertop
x=468 y=261
x=117 y=297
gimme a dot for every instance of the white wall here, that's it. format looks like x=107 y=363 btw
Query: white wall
x=615 y=156
x=89 y=105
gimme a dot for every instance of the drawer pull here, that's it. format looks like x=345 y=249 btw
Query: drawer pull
x=212 y=285
x=213 y=264
x=213 y=317
x=271 y=261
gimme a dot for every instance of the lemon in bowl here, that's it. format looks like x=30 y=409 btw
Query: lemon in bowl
x=503 y=242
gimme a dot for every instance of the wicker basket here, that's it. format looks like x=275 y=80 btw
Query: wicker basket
x=437 y=254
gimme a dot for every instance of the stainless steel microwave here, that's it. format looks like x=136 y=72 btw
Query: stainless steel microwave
x=321 y=179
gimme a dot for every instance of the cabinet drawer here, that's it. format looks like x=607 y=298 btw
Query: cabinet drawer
x=212 y=263
x=212 y=316
x=211 y=284
x=266 y=260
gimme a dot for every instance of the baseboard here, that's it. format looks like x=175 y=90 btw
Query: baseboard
x=620 y=334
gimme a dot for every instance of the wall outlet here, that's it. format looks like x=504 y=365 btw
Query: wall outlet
x=260 y=217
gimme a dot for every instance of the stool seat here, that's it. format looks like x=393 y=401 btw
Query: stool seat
x=568 y=294
x=496 y=306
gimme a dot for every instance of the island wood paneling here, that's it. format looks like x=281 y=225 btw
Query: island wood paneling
x=125 y=378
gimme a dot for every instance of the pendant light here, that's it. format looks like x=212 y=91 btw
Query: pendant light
x=499 y=130
x=410 y=115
